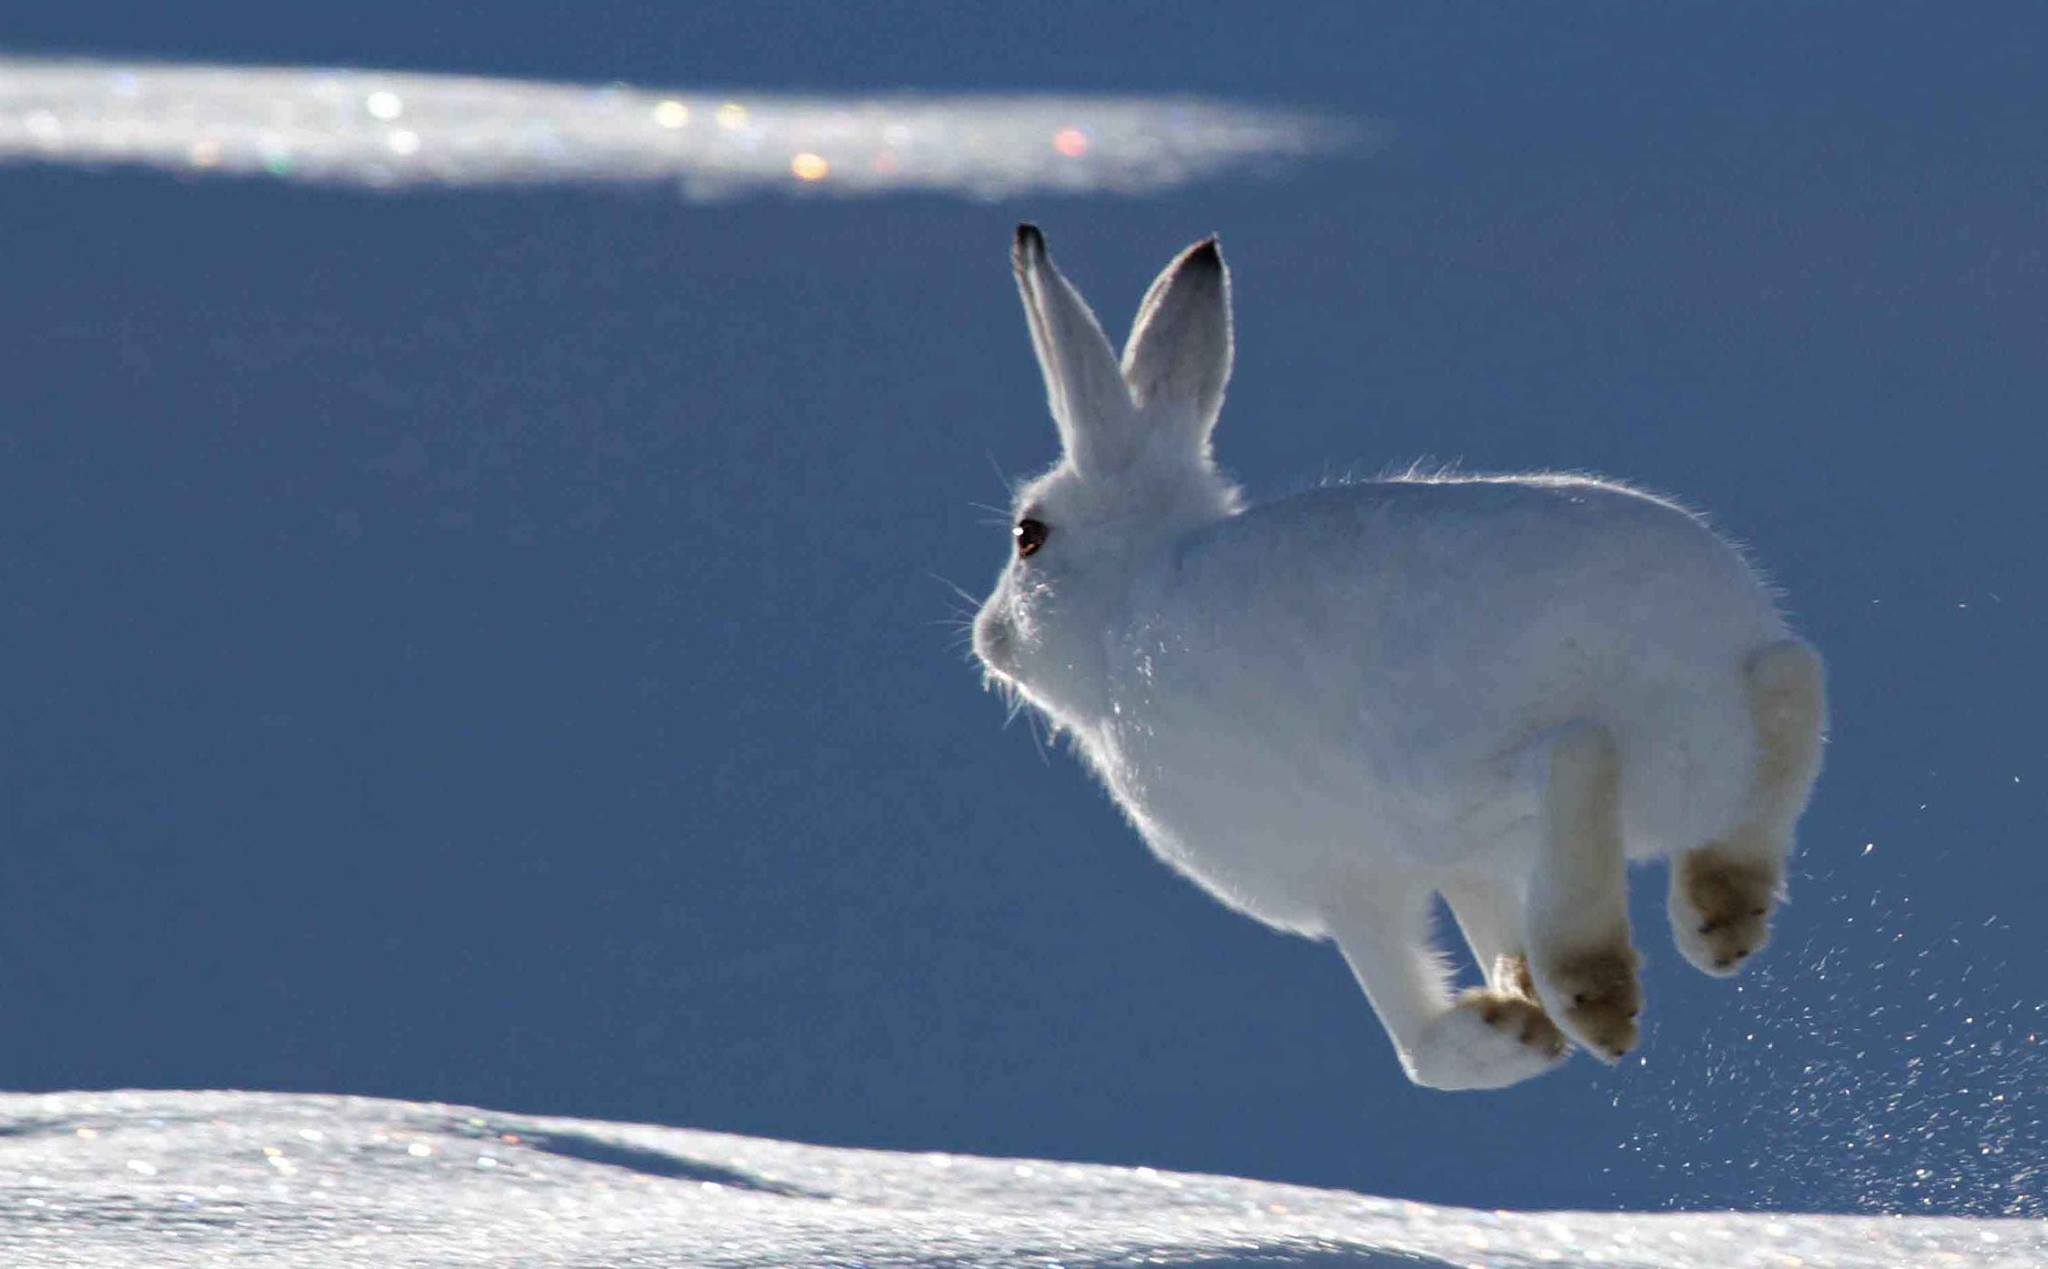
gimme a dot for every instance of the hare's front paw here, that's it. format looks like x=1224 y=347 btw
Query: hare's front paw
x=1595 y=996
x=1720 y=907
x=1488 y=1039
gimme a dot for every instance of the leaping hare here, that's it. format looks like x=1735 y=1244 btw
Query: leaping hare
x=1327 y=708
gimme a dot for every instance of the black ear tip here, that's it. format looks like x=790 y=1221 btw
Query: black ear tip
x=1029 y=239
x=1207 y=252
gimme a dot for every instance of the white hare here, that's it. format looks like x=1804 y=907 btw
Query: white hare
x=1328 y=708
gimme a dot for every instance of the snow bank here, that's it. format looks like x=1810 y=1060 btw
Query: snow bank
x=389 y=128
x=174 y=1179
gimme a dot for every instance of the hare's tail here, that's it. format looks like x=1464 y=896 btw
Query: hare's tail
x=1788 y=707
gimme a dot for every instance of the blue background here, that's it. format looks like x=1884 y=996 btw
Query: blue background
x=489 y=646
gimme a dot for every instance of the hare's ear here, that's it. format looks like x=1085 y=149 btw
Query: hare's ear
x=1178 y=358
x=1089 y=401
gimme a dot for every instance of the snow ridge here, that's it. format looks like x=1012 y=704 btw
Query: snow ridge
x=176 y=1179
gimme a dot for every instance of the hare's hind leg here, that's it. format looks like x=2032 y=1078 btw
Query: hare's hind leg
x=1722 y=893
x=1580 y=957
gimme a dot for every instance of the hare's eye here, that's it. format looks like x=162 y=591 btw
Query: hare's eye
x=1030 y=535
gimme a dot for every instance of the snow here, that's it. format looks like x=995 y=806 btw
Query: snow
x=388 y=128
x=232 y=1178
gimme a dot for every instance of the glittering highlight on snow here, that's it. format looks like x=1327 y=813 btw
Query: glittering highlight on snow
x=1843 y=1081
x=182 y=1180
x=388 y=129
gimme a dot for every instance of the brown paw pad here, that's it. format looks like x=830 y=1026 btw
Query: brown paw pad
x=1597 y=998
x=1519 y=1019
x=1720 y=911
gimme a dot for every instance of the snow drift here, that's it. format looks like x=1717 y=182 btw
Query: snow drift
x=224 y=1178
x=390 y=129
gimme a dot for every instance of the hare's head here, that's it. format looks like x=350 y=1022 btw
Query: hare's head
x=1135 y=470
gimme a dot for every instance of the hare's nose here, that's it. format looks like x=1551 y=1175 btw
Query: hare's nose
x=992 y=639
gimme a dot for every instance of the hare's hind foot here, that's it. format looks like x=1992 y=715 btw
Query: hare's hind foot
x=1489 y=1038
x=1721 y=906
x=1722 y=893
x=1597 y=996
x=1580 y=958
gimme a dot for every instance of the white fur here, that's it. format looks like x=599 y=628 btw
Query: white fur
x=1326 y=708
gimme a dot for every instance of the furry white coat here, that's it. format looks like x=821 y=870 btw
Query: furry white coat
x=1328 y=708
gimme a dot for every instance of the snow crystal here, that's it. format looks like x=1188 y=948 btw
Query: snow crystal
x=1859 y=1083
